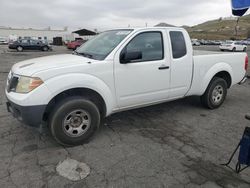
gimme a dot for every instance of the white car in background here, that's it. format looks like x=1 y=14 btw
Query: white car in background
x=233 y=46
x=3 y=40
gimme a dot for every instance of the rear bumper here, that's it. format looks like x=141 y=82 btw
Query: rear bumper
x=30 y=115
x=243 y=80
x=71 y=47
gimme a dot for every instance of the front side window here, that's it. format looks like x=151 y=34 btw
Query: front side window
x=178 y=44
x=150 y=44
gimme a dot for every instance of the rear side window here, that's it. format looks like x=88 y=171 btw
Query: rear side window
x=178 y=44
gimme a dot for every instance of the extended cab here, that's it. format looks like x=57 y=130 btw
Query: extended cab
x=116 y=71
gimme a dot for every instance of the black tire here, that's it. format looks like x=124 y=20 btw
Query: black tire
x=19 y=48
x=45 y=48
x=208 y=99
x=234 y=49
x=61 y=111
x=222 y=50
x=245 y=49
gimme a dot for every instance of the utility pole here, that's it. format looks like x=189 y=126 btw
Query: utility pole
x=236 y=28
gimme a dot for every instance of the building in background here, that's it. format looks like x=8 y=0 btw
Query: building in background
x=85 y=34
x=42 y=34
x=48 y=34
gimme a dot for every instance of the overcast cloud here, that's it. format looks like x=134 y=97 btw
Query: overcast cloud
x=105 y=14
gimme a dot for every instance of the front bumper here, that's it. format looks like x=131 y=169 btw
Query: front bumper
x=30 y=115
x=12 y=46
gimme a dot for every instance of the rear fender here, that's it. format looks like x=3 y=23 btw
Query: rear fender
x=219 y=67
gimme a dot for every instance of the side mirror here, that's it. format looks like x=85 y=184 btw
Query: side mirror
x=128 y=57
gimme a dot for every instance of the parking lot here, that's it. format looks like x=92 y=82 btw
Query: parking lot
x=175 y=144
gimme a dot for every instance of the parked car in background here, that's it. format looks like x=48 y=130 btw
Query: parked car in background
x=119 y=70
x=29 y=44
x=195 y=42
x=246 y=42
x=217 y=42
x=203 y=42
x=3 y=40
x=233 y=46
x=209 y=42
x=75 y=44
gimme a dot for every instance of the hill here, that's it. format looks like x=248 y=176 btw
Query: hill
x=221 y=29
x=162 y=24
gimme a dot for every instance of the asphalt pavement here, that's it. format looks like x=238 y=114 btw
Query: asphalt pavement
x=175 y=144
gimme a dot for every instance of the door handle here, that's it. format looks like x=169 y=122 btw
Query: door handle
x=163 y=67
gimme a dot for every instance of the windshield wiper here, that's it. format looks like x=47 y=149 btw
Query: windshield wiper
x=85 y=54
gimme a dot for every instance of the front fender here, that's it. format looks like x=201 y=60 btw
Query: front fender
x=219 y=67
x=62 y=83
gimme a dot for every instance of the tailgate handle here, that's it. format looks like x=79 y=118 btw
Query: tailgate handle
x=163 y=67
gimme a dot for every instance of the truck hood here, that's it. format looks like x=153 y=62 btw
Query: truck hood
x=31 y=66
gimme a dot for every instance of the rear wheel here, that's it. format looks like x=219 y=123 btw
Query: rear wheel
x=215 y=93
x=74 y=120
x=19 y=48
x=45 y=48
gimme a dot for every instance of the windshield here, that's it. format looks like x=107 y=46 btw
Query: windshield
x=100 y=46
x=228 y=42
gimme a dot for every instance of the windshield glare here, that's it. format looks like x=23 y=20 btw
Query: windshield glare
x=100 y=46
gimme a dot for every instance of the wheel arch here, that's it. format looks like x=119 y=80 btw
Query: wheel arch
x=88 y=93
x=19 y=45
x=221 y=70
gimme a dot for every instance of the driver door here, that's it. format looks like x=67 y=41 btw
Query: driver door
x=145 y=78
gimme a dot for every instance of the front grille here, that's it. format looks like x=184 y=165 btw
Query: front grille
x=12 y=83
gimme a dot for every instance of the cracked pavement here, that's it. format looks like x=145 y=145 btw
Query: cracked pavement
x=175 y=144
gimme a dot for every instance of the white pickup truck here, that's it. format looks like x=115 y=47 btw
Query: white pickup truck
x=115 y=71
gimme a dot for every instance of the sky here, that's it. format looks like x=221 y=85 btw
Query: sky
x=107 y=14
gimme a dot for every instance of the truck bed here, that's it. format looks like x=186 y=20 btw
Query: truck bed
x=208 y=63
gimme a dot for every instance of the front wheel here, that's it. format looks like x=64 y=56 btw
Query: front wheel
x=74 y=120
x=215 y=93
x=234 y=49
x=19 y=48
x=245 y=49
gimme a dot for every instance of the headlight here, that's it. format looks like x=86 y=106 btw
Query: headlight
x=26 y=84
